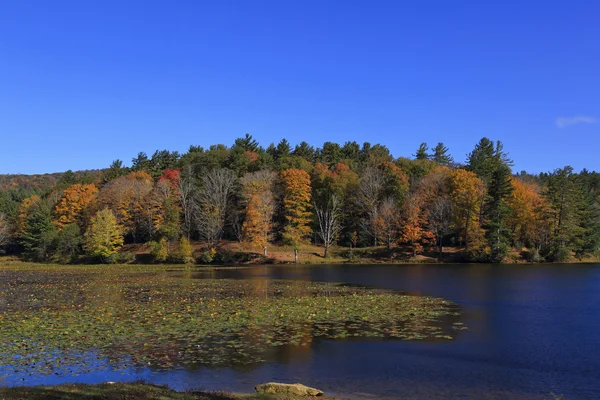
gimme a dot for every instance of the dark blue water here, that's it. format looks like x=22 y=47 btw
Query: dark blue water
x=533 y=330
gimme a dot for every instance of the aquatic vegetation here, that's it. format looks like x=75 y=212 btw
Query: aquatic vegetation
x=70 y=320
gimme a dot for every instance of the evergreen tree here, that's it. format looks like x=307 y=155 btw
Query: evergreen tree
x=115 y=170
x=141 y=162
x=440 y=155
x=422 y=152
x=492 y=165
x=68 y=243
x=566 y=199
x=305 y=151
x=39 y=233
x=496 y=210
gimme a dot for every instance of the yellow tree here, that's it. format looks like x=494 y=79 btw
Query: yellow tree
x=73 y=202
x=528 y=220
x=103 y=238
x=25 y=208
x=296 y=203
x=130 y=198
x=468 y=192
x=257 y=190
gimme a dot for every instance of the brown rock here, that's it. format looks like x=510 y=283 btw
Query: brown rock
x=295 y=389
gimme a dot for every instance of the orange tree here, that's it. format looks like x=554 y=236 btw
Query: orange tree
x=257 y=190
x=296 y=203
x=73 y=202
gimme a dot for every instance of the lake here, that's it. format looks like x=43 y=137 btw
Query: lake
x=532 y=330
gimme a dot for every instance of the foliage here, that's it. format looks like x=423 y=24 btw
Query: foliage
x=257 y=189
x=103 y=237
x=74 y=201
x=160 y=250
x=468 y=193
x=39 y=233
x=296 y=202
x=184 y=251
x=69 y=243
x=350 y=195
x=213 y=199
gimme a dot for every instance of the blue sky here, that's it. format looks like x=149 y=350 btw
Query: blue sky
x=85 y=82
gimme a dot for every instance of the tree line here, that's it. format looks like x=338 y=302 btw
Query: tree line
x=348 y=195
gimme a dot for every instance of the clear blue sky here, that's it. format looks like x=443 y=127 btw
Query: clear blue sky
x=85 y=82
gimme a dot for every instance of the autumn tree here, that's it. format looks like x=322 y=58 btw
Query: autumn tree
x=467 y=192
x=129 y=198
x=72 y=204
x=25 y=209
x=387 y=222
x=163 y=206
x=257 y=189
x=103 y=238
x=213 y=199
x=528 y=219
x=434 y=191
x=414 y=227
x=296 y=203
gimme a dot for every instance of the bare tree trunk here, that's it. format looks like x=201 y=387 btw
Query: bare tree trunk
x=217 y=186
x=328 y=216
x=296 y=256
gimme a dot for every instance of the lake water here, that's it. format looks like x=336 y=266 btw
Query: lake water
x=532 y=330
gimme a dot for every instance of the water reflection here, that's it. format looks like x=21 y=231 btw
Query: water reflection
x=532 y=330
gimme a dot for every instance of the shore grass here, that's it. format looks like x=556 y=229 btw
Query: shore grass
x=126 y=391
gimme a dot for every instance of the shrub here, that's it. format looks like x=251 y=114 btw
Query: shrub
x=207 y=256
x=184 y=252
x=159 y=250
x=125 y=258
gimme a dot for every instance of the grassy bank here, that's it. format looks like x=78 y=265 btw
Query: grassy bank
x=124 y=391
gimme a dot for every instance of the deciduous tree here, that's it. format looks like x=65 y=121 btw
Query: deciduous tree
x=296 y=203
x=216 y=190
x=328 y=217
x=75 y=199
x=257 y=189
x=467 y=192
x=103 y=238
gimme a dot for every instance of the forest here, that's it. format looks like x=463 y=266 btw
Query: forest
x=184 y=207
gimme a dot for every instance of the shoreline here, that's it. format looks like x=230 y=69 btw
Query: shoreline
x=130 y=391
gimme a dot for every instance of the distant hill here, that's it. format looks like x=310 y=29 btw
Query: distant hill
x=41 y=181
